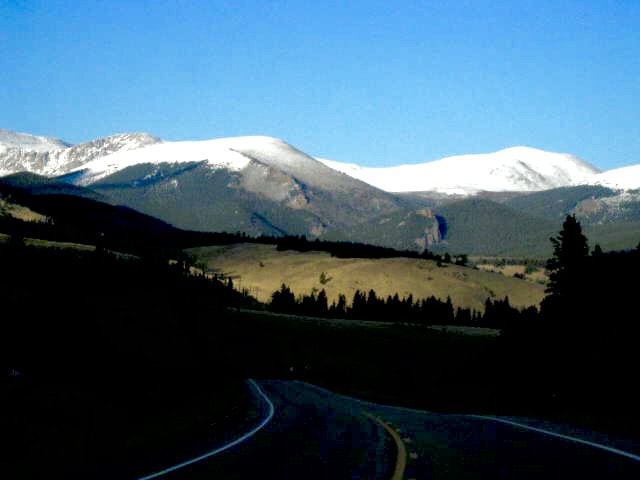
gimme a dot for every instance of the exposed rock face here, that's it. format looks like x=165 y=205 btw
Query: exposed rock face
x=26 y=141
x=431 y=234
x=623 y=205
x=50 y=157
x=257 y=185
x=274 y=184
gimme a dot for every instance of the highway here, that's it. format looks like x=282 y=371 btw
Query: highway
x=317 y=434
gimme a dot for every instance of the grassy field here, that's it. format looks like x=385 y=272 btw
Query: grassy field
x=537 y=275
x=262 y=269
x=21 y=213
x=36 y=242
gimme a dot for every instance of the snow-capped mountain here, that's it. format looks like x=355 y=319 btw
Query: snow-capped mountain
x=233 y=154
x=625 y=178
x=25 y=141
x=263 y=185
x=253 y=184
x=515 y=169
x=51 y=157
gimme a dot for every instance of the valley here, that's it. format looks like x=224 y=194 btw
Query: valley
x=262 y=269
x=319 y=240
x=138 y=296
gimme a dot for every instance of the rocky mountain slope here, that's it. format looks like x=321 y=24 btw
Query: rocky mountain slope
x=253 y=185
x=46 y=156
x=247 y=184
x=25 y=141
x=504 y=203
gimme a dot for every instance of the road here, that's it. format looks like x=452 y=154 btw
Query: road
x=316 y=434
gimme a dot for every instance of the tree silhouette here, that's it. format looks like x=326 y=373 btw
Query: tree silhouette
x=566 y=267
x=283 y=300
x=339 y=310
x=359 y=305
x=322 y=307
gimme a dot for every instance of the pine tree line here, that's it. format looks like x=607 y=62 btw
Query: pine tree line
x=406 y=310
x=357 y=250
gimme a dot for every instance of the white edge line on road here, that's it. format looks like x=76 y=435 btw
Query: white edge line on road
x=495 y=419
x=559 y=435
x=227 y=446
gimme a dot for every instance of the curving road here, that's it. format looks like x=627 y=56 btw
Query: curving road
x=316 y=434
x=310 y=436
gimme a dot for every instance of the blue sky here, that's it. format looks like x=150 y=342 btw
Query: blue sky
x=369 y=82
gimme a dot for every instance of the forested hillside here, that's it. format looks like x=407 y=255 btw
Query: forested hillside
x=484 y=227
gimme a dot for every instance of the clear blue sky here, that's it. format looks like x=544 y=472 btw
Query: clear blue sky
x=362 y=81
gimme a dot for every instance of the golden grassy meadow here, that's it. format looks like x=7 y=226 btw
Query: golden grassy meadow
x=261 y=269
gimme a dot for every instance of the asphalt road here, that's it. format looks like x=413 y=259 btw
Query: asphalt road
x=316 y=434
x=311 y=436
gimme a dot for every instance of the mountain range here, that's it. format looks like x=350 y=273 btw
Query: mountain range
x=504 y=203
x=517 y=169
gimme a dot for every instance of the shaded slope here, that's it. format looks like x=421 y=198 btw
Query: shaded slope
x=265 y=199
x=34 y=184
x=76 y=214
x=194 y=196
x=556 y=204
x=483 y=227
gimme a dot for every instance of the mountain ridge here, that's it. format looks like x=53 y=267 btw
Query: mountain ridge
x=51 y=157
x=263 y=185
x=27 y=141
x=511 y=169
x=623 y=178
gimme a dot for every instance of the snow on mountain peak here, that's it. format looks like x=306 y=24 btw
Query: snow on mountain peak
x=45 y=156
x=234 y=153
x=512 y=169
x=165 y=152
x=518 y=168
x=624 y=178
x=26 y=141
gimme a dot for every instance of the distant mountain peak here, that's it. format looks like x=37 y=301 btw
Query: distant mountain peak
x=522 y=149
x=136 y=138
x=10 y=139
x=623 y=178
x=511 y=169
x=234 y=154
x=50 y=157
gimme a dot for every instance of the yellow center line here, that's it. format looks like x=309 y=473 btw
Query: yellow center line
x=401 y=462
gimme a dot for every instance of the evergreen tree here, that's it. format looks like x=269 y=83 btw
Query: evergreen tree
x=566 y=267
x=322 y=307
x=359 y=305
x=339 y=310
x=283 y=300
x=374 y=304
x=463 y=316
x=308 y=304
x=447 y=312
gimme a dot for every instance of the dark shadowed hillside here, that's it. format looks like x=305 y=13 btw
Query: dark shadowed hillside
x=484 y=227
